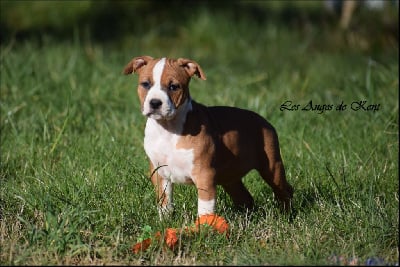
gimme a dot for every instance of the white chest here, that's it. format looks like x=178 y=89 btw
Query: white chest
x=160 y=146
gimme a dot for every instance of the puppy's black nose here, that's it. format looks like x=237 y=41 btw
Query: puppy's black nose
x=155 y=103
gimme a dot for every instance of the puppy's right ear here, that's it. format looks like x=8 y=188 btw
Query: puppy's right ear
x=136 y=63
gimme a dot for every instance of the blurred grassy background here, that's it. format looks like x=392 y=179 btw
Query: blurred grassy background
x=116 y=21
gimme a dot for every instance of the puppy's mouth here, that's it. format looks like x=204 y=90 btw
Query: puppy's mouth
x=158 y=115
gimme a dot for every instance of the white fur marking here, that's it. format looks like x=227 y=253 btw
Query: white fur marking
x=167 y=108
x=160 y=146
x=206 y=206
x=158 y=70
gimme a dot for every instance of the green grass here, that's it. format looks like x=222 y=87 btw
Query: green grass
x=74 y=184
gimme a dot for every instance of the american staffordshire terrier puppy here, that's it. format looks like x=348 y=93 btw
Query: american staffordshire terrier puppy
x=187 y=142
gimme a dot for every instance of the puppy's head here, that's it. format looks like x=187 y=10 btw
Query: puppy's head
x=163 y=84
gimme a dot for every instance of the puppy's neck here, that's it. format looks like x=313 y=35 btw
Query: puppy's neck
x=175 y=125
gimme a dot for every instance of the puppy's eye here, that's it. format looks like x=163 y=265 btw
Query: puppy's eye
x=173 y=87
x=145 y=85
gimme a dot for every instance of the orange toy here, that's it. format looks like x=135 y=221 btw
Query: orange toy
x=218 y=223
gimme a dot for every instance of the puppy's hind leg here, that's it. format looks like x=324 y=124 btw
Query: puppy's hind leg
x=276 y=178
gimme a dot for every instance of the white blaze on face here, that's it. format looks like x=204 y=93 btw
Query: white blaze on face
x=167 y=109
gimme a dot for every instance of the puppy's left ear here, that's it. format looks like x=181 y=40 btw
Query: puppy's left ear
x=191 y=67
x=136 y=63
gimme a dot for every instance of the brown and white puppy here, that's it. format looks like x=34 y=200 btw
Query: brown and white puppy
x=188 y=142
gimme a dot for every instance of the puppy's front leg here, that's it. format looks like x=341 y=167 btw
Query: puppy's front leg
x=164 y=189
x=206 y=190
